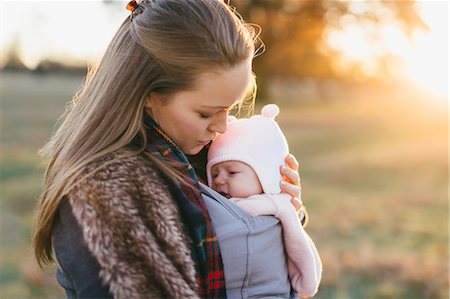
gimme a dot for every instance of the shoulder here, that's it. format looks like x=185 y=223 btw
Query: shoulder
x=121 y=165
x=119 y=181
x=120 y=171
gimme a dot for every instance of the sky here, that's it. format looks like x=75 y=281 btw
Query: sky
x=81 y=30
x=74 y=30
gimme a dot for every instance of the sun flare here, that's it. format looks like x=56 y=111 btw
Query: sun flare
x=427 y=62
x=41 y=33
x=421 y=59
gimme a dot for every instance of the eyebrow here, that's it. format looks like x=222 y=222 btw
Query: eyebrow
x=215 y=107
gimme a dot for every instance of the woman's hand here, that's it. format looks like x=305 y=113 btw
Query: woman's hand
x=291 y=183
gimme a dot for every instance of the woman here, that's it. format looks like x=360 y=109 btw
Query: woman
x=121 y=204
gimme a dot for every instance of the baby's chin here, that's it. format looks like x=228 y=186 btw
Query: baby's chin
x=225 y=195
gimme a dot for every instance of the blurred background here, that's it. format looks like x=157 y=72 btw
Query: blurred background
x=363 y=92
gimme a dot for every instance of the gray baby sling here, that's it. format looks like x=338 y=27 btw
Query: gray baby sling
x=252 y=250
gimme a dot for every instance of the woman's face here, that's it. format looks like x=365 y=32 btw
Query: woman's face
x=194 y=117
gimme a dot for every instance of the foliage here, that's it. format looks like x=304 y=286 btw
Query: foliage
x=294 y=31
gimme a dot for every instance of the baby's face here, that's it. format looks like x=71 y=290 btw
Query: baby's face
x=235 y=179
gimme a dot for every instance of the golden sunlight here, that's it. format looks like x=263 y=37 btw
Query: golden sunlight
x=422 y=59
x=59 y=30
x=427 y=61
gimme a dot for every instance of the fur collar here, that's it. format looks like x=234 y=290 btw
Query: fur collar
x=133 y=228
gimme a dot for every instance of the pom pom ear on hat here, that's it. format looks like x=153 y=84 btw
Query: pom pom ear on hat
x=270 y=111
x=256 y=141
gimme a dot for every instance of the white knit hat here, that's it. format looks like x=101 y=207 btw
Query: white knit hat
x=256 y=141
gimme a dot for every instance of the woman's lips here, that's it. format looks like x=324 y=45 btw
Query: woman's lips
x=204 y=142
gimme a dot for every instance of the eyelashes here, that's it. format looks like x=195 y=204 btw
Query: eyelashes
x=204 y=116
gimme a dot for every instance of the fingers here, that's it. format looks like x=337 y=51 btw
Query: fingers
x=292 y=190
x=297 y=203
x=292 y=184
x=291 y=162
x=291 y=175
x=290 y=171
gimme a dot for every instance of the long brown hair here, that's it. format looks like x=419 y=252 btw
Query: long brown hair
x=161 y=50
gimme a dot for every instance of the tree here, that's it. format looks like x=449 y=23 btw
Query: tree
x=294 y=31
x=11 y=59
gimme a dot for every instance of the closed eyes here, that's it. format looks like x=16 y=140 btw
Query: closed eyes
x=204 y=116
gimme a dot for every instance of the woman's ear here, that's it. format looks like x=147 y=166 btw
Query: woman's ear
x=150 y=100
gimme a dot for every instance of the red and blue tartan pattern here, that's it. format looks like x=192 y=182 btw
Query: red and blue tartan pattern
x=195 y=216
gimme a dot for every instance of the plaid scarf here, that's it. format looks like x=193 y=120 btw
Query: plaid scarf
x=204 y=245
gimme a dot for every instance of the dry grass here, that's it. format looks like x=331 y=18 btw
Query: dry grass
x=374 y=175
x=375 y=181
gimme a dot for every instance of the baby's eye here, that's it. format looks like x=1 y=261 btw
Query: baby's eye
x=233 y=172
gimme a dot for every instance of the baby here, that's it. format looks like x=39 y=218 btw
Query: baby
x=243 y=165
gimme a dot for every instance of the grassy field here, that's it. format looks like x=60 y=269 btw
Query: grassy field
x=374 y=174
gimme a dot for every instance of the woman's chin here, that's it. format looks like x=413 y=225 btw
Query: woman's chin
x=193 y=150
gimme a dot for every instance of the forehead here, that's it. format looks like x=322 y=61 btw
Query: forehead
x=220 y=88
x=230 y=164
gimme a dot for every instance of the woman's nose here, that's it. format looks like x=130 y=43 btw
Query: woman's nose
x=219 y=125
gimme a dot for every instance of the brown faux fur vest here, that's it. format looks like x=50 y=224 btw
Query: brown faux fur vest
x=132 y=227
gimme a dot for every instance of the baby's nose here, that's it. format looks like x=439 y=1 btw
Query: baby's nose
x=219 y=180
